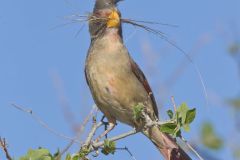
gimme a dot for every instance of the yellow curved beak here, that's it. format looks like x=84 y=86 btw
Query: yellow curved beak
x=113 y=19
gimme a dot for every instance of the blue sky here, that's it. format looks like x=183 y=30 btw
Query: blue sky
x=33 y=57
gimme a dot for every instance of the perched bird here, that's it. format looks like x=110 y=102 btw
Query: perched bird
x=117 y=83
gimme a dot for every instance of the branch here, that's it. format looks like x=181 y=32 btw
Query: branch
x=3 y=145
x=116 y=138
x=95 y=126
x=90 y=146
x=150 y=123
x=80 y=130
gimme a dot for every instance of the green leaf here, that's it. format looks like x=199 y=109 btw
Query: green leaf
x=56 y=155
x=68 y=157
x=177 y=133
x=236 y=153
x=168 y=127
x=182 y=118
x=235 y=102
x=38 y=154
x=186 y=127
x=209 y=138
x=170 y=114
x=109 y=147
x=76 y=157
x=137 y=112
x=84 y=152
x=190 y=116
x=182 y=112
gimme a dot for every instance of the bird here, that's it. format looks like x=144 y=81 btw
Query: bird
x=117 y=83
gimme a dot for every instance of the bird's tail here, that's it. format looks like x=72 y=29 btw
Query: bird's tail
x=166 y=145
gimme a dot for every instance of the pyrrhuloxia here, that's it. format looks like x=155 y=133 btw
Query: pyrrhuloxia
x=116 y=82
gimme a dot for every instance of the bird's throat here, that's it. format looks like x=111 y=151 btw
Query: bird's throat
x=113 y=19
x=112 y=34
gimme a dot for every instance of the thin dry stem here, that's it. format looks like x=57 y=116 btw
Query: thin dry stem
x=43 y=124
x=80 y=130
x=191 y=148
x=3 y=145
x=174 y=104
x=127 y=150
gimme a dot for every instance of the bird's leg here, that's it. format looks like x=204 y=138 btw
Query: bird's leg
x=105 y=123
x=102 y=119
x=110 y=127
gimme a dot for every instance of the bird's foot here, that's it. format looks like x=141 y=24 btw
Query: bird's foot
x=111 y=126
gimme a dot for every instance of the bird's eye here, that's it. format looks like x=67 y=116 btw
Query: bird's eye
x=109 y=3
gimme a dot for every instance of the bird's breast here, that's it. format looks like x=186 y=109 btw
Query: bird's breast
x=108 y=62
x=111 y=80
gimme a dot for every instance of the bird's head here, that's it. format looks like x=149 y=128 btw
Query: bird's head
x=105 y=16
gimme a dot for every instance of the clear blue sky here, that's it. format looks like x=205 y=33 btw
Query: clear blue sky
x=32 y=56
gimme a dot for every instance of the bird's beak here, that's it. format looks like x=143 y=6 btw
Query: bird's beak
x=113 y=19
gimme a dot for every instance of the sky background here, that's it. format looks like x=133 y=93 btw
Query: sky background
x=40 y=65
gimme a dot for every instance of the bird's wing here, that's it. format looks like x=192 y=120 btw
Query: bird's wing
x=85 y=72
x=141 y=77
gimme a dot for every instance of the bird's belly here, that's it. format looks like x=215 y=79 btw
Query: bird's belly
x=113 y=92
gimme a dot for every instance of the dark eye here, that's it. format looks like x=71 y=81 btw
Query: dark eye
x=109 y=2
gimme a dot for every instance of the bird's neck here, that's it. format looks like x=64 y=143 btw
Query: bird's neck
x=117 y=32
x=113 y=33
x=107 y=45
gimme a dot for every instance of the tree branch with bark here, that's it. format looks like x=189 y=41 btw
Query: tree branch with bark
x=180 y=118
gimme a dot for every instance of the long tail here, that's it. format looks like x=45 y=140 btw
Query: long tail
x=166 y=145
